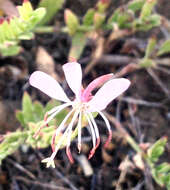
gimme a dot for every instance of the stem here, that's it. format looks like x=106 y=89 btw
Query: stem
x=51 y=29
x=129 y=139
x=133 y=144
x=44 y=29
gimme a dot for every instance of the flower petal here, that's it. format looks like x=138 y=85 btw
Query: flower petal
x=109 y=91
x=73 y=74
x=96 y=84
x=48 y=85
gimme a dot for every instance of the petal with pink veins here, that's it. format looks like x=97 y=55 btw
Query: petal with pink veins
x=73 y=74
x=108 y=92
x=48 y=85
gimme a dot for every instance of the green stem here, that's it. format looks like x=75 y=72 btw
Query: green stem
x=51 y=29
x=133 y=144
x=44 y=29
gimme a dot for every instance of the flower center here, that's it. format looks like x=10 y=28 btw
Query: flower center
x=80 y=105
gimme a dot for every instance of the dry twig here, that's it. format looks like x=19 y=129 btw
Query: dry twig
x=38 y=183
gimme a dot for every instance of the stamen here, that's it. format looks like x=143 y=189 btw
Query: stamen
x=79 y=132
x=108 y=127
x=45 y=118
x=60 y=128
x=94 y=149
x=95 y=125
x=58 y=145
x=69 y=136
x=58 y=107
x=93 y=136
x=64 y=135
x=68 y=152
x=108 y=139
x=38 y=131
x=92 y=152
x=53 y=142
x=57 y=110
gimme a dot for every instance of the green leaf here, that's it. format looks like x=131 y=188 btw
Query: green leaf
x=27 y=108
x=37 y=16
x=114 y=17
x=25 y=10
x=161 y=174
x=157 y=149
x=98 y=20
x=10 y=50
x=122 y=18
x=71 y=21
x=136 y=5
x=147 y=9
x=78 y=44
x=156 y=177
x=19 y=115
x=52 y=7
x=102 y=5
x=148 y=23
x=11 y=143
x=38 y=111
x=88 y=17
x=18 y=28
x=150 y=47
x=7 y=30
x=26 y=36
x=146 y=63
x=163 y=168
x=165 y=48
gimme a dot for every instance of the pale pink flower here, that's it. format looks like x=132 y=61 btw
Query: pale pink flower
x=84 y=104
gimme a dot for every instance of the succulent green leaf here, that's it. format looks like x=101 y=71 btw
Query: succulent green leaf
x=148 y=23
x=136 y=5
x=150 y=47
x=27 y=108
x=163 y=168
x=98 y=20
x=19 y=115
x=102 y=6
x=147 y=8
x=146 y=63
x=37 y=16
x=38 y=110
x=114 y=17
x=26 y=36
x=157 y=149
x=25 y=10
x=78 y=44
x=161 y=174
x=88 y=17
x=71 y=21
x=122 y=18
x=52 y=7
x=10 y=50
x=19 y=28
x=165 y=48
x=11 y=143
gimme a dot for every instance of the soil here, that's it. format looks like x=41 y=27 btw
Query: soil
x=144 y=111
